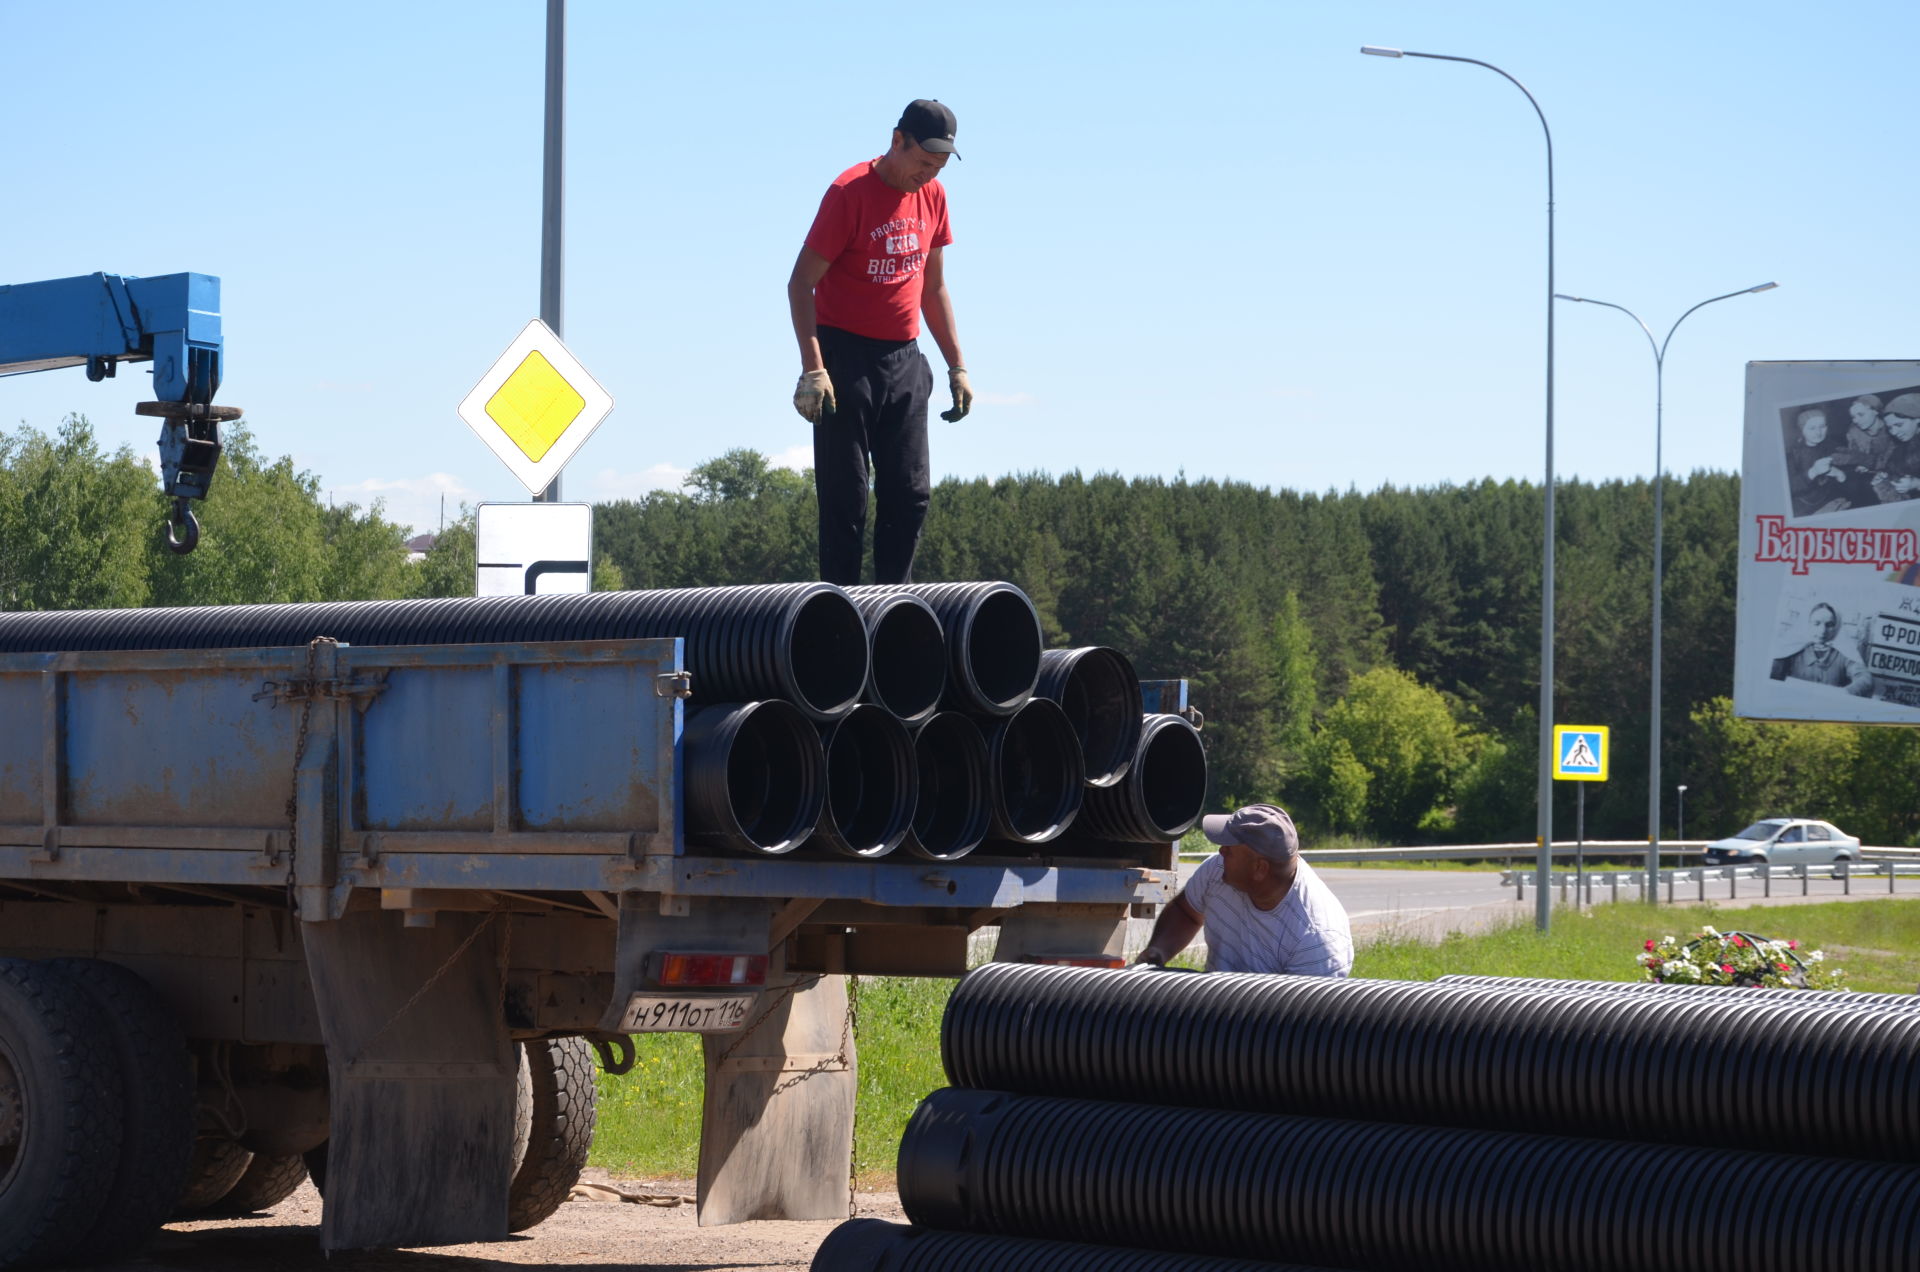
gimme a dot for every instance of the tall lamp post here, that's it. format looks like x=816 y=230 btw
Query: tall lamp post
x=1543 y=900
x=1659 y=348
x=1682 y=812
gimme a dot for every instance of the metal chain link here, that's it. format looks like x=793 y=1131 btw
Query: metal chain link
x=844 y=1058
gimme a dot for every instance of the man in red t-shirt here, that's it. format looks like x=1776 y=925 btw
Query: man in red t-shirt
x=870 y=267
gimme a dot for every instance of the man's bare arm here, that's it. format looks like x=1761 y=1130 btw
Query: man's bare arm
x=808 y=269
x=937 y=305
x=1173 y=931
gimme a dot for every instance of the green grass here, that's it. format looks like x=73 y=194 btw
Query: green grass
x=649 y=1124
x=650 y=1119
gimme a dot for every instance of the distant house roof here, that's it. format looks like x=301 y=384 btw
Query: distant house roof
x=421 y=542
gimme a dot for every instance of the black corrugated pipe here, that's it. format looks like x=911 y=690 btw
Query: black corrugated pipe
x=1100 y=693
x=1674 y=1069
x=993 y=641
x=874 y=1245
x=1036 y=779
x=1741 y=993
x=755 y=776
x=907 y=653
x=1164 y=793
x=951 y=816
x=1370 y=1195
x=871 y=783
x=803 y=642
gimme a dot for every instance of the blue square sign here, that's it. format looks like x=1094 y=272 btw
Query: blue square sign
x=1580 y=752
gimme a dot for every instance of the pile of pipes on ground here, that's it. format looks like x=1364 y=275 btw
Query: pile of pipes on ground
x=854 y=722
x=1161 y=1121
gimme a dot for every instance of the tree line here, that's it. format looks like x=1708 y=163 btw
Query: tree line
x=1370 y=659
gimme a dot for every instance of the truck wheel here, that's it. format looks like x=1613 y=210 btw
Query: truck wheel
x=216 y=1167
x=156 y=1072
x=61 y=1108
x=561 y=1071
x=268 y=1181
x=315 y=1160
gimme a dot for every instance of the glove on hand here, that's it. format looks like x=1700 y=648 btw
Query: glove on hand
x=813 y=396
x=962 y=395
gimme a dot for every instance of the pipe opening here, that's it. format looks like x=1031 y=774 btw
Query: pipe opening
x=1003 y=648
x=1173 y=780
x=1037 y=772
x=909 y=660
x=950 y=817
x=870 y=783
x=828 y=650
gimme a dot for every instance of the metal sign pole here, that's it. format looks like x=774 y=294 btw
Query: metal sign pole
x=1580 y=847
x=553 y=188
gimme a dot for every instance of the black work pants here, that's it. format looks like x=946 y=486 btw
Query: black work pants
x=882 y=388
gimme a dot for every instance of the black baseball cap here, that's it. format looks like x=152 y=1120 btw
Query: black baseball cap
x=931 y=124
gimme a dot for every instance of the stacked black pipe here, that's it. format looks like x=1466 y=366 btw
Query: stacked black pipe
x=1055 y=729
x=1372 y=1124
x=823 y=721
x=802 y=642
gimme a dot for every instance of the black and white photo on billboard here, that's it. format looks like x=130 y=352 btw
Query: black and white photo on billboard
x=1858 y=638
x=1849 y=453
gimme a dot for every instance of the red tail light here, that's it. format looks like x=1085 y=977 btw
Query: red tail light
x=708 y=970
x=1077 y=960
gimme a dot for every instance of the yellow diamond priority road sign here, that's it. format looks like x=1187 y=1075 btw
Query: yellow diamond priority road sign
x=536 y=406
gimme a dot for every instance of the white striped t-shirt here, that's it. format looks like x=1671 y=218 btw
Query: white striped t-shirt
x=1305 y=935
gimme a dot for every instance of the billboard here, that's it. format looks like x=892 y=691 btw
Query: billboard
x=1828 y=623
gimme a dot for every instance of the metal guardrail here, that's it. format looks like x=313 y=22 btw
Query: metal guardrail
x=1489 y=852
x=1561 y=848
x=1612 y=880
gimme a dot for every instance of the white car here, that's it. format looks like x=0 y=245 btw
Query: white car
x=1785 y=841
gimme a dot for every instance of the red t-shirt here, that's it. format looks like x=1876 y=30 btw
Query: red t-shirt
x=877 y=239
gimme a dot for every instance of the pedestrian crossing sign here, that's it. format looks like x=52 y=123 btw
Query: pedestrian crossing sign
x=1580 y=752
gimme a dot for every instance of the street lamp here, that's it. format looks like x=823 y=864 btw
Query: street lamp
x=1659 y=505
x=1543 y=906
x=1683 y=814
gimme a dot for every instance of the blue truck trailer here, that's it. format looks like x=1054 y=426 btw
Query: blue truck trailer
x=389 y=895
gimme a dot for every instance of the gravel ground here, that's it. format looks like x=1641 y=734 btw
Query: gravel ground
x=583 y=1234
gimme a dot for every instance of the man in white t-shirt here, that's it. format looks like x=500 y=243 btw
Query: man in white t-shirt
x=1264 y=909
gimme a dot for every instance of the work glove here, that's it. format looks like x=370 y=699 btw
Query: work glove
x=962 y=395
x=813 y=396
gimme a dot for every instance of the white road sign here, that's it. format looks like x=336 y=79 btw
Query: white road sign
x=533 y=549
x=536 y=406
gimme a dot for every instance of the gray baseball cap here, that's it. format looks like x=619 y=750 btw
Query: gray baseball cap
x=1265 y=828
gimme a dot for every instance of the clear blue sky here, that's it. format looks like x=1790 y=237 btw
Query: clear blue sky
x=1208 y=238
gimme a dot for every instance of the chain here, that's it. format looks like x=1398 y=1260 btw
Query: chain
x=767 y=1015
x=849 y=1030
x=311 y=691
x=431 y=981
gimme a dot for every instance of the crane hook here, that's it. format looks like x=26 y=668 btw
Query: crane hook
x=183 y=528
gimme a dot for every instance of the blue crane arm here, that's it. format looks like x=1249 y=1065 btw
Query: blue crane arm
x=101 y=320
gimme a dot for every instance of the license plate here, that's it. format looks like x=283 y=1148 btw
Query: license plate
x=656 y=1013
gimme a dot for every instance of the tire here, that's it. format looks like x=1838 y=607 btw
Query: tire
x=216 y=1167
x=61 y=1109
x=562 y=1072
x=315 y=1160
x=156 y=1072
x=268 y=1181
